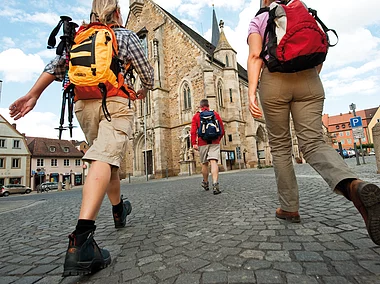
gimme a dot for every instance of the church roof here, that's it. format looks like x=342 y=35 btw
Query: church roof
x=205 y=44
x=223 y=42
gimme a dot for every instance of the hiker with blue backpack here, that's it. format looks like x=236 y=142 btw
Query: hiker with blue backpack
x=206 y=131
x=100 y=56
x=287 y=46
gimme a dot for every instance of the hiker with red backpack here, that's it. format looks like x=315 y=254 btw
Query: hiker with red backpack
x=287 y=46
x=206 y=132
x=101 y=54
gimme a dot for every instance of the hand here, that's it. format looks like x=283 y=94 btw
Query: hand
x=253 y=107
x=141 y=94
x=22 y=106
x=196 y=148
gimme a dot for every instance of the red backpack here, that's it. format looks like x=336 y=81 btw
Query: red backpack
x=293 y=41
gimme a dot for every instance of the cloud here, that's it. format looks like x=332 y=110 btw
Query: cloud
x=169 y=4
x=42 y=124
x=7 y=42
x=18 y=66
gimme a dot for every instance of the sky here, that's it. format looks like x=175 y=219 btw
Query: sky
x=351 y=73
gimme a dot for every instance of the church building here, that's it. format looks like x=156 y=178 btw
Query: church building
x=188 y=68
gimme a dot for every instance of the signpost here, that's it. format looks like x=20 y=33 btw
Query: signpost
x=357 y=130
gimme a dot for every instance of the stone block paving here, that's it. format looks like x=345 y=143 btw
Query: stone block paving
x=179 y=234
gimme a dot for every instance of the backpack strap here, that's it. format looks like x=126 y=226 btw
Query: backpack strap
x=262 y=10
x=324 y=27
x=103 y=90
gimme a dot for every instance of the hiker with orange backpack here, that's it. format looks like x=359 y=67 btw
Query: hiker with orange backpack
x=103 y=109
x=286 y=37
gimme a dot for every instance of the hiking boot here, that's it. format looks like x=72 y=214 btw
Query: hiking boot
x=215 y=188
x=86 y=258
x=366 y=198
x=120 y=220
x=293 y=217
x=205 y=185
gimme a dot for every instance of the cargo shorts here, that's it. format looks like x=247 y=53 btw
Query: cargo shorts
x=209 y=152
x=107 y=139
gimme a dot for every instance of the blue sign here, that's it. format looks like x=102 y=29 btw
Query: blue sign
x=356 y=122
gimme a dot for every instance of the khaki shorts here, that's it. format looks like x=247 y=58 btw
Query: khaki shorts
x=209 y=152
x=107 y=139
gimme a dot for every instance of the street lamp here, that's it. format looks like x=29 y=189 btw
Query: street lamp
x=1 y=86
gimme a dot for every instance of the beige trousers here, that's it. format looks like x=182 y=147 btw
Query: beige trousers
x=302 y=95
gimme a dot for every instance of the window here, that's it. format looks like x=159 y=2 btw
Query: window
x=2 y=163
x=186 y=96
x=66 y=162
x=231 y=99
x=66 y=149
x=53 y=162
x=342 y=141
x=16 y=144
x=1 y=181
x=364 y=139
x=349 y=141
x=337 y=127
x=15 y=163
x=341 y=134
x=52 y=149
x=2 y=143
x=144 y=43
x=16 y=180
x=40 y=162
x=227 y=61
x=378 y=120
x=77 y=162
x=343 y=126
x=220 y=94
x=229 y=138
x=348 y=133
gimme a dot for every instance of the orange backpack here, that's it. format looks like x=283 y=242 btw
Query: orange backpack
x=94 y=69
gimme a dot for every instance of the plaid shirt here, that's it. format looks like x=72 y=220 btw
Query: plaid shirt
x=130 y=50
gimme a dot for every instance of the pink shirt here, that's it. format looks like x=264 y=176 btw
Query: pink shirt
x=258 y=24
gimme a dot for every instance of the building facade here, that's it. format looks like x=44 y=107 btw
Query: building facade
x=187 y=69
x=54 y=160
x=14 y=155
x=340 y=130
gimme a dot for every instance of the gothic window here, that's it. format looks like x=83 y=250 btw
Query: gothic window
x=220 y=94
x=231 y=98
x=144 y=43
x=227 y=61
x=186 y=95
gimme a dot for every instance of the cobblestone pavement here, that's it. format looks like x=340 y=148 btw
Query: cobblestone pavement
x=178 y=233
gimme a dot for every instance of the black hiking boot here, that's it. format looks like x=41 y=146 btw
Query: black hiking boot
x=121 y=219
x=215 y=188
x=86 y=258
x=205 y=185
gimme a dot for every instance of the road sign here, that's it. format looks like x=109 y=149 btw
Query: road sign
x=356 y=122
x=358 y=132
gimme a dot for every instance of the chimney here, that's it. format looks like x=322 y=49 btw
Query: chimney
x=14 y=125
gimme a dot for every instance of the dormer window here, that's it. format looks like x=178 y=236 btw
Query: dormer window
x=52 y=149
x=337 y=127
x=343 y=126
x=66 y=149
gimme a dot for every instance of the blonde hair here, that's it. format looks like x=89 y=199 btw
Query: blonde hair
x=103 y=11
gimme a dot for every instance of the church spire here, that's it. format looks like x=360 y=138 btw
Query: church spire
x=215 y=29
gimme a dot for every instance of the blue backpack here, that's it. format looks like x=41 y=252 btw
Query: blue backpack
x=209 y=128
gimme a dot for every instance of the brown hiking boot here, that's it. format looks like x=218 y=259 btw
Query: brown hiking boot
x=366 y=198
x=293 y=217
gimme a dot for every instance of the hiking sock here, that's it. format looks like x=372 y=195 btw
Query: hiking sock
x=118 y=209
x=344 y=187
x=84 y=226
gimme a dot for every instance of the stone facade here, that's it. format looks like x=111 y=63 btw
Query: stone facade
x=187 y=69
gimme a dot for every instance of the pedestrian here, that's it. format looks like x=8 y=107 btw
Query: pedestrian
x=206 y=131
x=107 y=138
x=301 y=94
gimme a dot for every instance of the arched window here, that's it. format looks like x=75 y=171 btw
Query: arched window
x=220 y=94
x=186 y=93
x=227 y=61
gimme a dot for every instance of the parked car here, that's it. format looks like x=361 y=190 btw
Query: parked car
x=14 y=188
x=344 y=153
x=46 y=186
x=372 y=153
x=351 y=153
